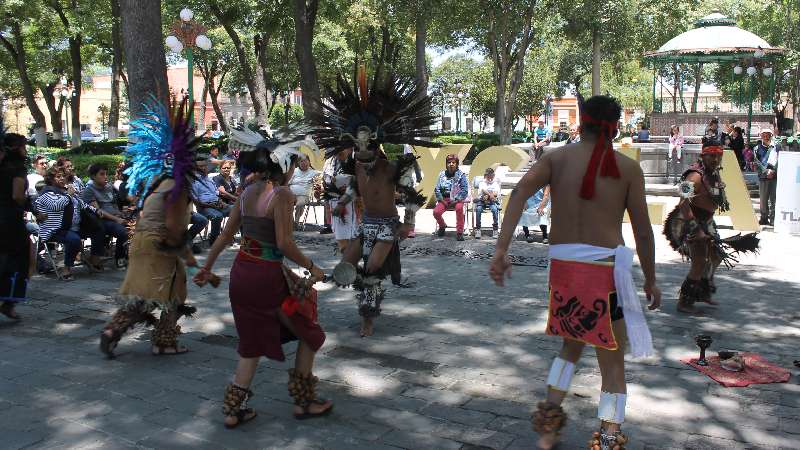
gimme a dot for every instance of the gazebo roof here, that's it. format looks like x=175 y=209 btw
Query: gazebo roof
x=714 y=38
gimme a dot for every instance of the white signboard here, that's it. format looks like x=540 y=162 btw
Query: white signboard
x=787 y=203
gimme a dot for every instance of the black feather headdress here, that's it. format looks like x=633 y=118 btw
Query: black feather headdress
x=394 y=110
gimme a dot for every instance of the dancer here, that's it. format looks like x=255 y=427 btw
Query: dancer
x=592 y=296
x=392 y=111
x=537 y=212
x=337 y=177
x=160 y=177
x=692 y=232
x=15 y=245
x=270 y=304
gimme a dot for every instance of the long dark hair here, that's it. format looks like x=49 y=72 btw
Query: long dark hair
x=259 y=161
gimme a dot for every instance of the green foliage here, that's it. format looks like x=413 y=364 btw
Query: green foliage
x=277 y=117
x=81 y=162
x=109 y=147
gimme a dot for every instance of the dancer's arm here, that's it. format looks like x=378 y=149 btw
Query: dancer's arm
x=643 y=235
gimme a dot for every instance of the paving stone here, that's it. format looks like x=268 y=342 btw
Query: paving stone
x=411 y=440
x=458 y=415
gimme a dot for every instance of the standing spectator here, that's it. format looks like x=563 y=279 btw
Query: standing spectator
x=206 y=199
x=63 y=208
x=574 y=136
x=536 y=212
x=327 y=172
x=674 y=153
x=644 y=134
x=409 y=150
x=712 y=133
x=72 y=179
x=225 y=183
x=541 y=137
x=39 y=165
x=488 y=198
x=451 y=190
x=15 y=246
x=341 y=193
x=301 y=183
x=736 y=142
x=766 y=162
x=101 y=195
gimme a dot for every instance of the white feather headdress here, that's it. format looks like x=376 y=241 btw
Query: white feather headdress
x=283 y=144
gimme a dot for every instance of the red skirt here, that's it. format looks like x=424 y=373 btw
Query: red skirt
x=257 y=290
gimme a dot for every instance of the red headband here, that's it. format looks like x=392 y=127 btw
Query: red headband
x=712 y=150
x=602 y=156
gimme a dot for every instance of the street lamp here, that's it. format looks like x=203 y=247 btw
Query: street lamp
x=753 y=64
x=188 y=34
x=65 y=93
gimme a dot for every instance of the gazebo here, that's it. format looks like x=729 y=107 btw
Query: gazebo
x=714 y=39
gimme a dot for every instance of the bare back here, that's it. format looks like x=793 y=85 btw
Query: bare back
x=597 y=221
x=377 y=189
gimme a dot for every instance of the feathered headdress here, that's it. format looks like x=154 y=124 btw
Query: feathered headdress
x=163 y=144
x=284 y=143
x=393 y=110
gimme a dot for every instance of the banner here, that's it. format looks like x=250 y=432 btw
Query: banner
x=787 y=204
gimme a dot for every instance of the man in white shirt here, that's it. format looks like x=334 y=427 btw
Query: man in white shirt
x=488 y=198
x=39 y=169
x=301 y=184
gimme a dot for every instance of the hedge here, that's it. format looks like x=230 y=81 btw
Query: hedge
x=109 y=147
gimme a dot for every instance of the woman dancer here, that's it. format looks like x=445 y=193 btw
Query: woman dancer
x=160 y=176
x=266 y=308
x=14 y=241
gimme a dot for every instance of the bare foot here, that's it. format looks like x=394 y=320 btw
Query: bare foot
x=547 y=441
x=366 y=327
x=314 y=408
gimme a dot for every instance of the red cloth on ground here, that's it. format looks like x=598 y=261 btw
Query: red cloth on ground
x=257 y=291
x=757 y=370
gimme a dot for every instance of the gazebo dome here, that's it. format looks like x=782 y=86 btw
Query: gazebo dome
x=714 y=34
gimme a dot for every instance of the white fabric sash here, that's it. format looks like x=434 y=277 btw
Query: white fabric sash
x=635 y=323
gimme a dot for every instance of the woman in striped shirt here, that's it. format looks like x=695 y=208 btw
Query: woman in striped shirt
x=63 y=209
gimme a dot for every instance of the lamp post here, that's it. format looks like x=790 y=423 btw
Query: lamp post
x=286 y=107
x=186 y=35
x=459 y=95
x=66 y=94
x=754 y=63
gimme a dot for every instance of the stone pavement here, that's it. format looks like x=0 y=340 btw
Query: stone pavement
x=455 y=363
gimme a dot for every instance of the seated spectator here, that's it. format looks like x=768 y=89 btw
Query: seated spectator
x=102 y=196
x=214 y=160
x=560 y=134
x=206 y=199
x=541 y=138
x=451 y=190
x=225 y=183
x=644 y=134
x=72 y=179
x=488 y=198
x=574 y=136
x=63 y=208
x=301 y=184
x=39 y=169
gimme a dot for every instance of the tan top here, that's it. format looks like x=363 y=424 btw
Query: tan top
x=153 y=216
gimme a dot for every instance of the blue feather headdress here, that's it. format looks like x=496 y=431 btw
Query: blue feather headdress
x=163 y=145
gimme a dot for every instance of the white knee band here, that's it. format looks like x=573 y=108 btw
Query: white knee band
x=612 y=407
x=561 y=373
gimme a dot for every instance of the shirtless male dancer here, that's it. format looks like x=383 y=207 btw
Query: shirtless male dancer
x=590 y=266
x=378 y=180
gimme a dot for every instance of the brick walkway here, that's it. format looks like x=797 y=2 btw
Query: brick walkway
x=455 y=363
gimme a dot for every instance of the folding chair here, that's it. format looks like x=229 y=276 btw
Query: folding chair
x=311 y=206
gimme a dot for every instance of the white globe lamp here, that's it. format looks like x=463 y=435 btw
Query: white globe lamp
x=751 y=71
x=738 y=70
x=172 y=42
x=186 y=14
x=768 y=71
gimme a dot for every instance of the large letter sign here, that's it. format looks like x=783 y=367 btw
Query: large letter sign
x=787 y=204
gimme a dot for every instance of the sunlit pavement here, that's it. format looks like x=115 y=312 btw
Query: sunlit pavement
x=455 y=362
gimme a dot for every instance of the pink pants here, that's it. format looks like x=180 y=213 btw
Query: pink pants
x=443 y=206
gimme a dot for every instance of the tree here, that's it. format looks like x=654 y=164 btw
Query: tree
x=116 y=70
x=304 y=14
x=143 y=42
x=14 y=43
x=214 y=65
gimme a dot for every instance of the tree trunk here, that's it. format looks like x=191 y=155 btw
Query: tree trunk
x=116 y=69
x=596 y=62
x=675 y=90
x=143 y=42
x=305 y=16
x=244 y=62
x=17 y=51
x=260 y=46
x=53 y=110
x=420 y=41
x=77 y=86
x=202 y=116
x=215 y=104
x=697 y=81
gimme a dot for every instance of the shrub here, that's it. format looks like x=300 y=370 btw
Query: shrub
x=81 y=162
x=393 y=150
x=207 y=142
x=109 y=147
